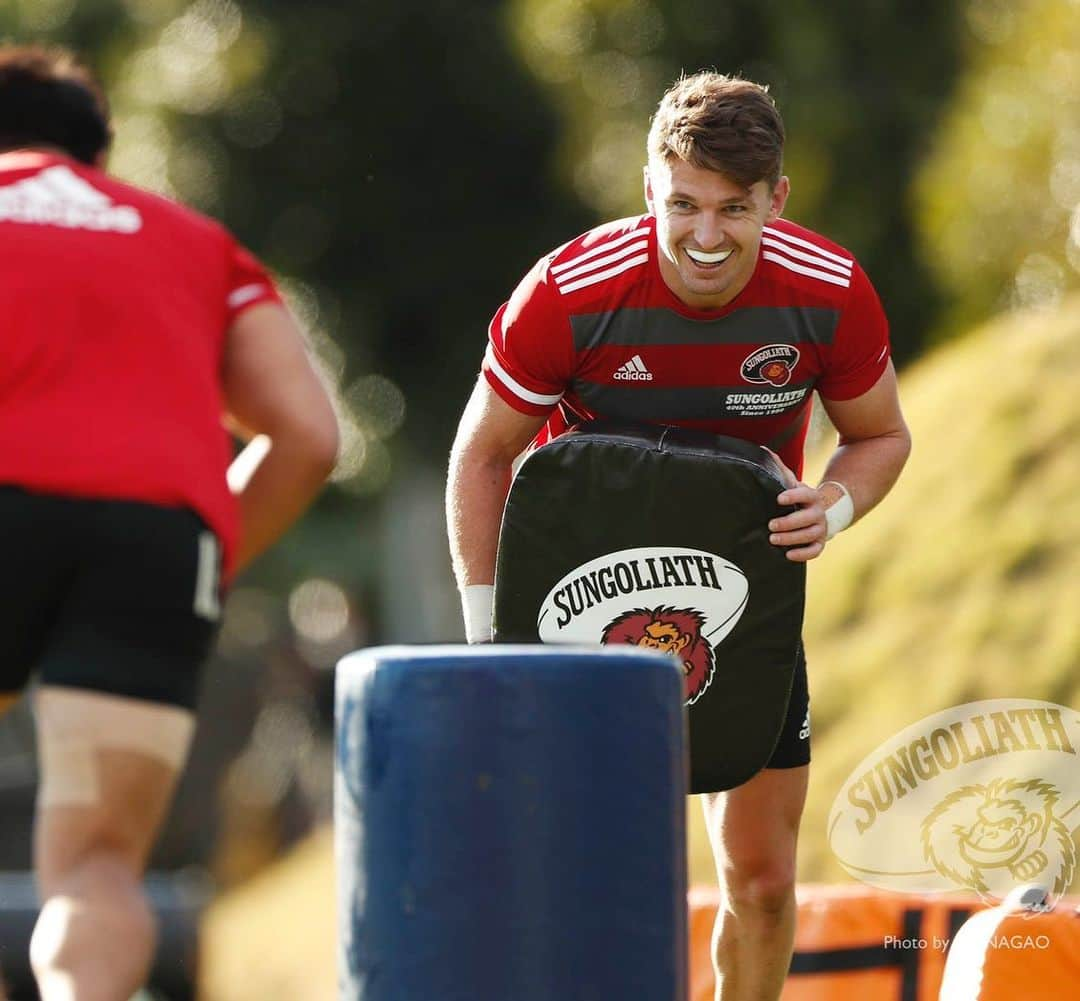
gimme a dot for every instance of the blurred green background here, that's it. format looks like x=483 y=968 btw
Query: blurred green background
x=400 y=166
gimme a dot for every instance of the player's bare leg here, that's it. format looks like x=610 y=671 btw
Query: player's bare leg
x=753 y=830
x=96 y=822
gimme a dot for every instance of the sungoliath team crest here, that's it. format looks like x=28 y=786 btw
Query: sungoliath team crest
x=772 y=364
x=682 y=601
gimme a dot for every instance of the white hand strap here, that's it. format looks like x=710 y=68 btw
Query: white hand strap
x=840 y=513
x=477 y=601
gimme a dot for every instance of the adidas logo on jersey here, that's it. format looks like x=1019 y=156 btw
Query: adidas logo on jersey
x=634 y=371
x=57 y=196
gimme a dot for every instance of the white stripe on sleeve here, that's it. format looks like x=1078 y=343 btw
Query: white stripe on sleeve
x=515 y=387
x=806 y=244
x=603 y=248
x=824 y=276
x=799 y=255
x=599 y=276
x=598 y=262
x=245 y=293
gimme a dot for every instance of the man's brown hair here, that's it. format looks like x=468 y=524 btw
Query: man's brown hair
x=721 y=123
x=48 y=98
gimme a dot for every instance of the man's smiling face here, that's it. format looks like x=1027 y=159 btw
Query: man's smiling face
x=708 y=229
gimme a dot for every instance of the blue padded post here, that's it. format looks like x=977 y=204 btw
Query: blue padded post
x=510 y=825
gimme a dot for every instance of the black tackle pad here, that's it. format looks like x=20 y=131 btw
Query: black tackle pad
x=658 y=536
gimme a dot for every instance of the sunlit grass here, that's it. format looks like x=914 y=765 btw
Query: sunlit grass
x=275 y=937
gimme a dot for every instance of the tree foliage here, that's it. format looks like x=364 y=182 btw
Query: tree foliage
x=999 y=198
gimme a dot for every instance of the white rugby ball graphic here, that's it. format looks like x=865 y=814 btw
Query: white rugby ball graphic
x=586 y=600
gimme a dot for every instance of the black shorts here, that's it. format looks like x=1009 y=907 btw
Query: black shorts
x=113 y=596
x=793 y=747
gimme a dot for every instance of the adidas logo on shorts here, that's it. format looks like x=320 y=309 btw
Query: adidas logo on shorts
x=634 y=371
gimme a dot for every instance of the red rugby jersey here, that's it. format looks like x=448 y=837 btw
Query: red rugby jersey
x=115 y=305
x=593 y=331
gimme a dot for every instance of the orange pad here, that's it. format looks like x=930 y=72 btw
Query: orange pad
x=852 y=943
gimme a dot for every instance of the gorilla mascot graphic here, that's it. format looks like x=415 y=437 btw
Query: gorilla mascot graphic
x=670 y=630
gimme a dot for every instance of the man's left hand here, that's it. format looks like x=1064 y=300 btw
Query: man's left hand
x=803 y=530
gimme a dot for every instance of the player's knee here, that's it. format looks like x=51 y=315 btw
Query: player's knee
x=766 y=885
x=101 y=909
x=80 y=851
x=102 y=868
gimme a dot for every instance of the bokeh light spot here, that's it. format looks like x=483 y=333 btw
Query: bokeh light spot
x=636 y=27
x=377 y=403
x=46 y=15
x=252 y=120
x=611 y=79
x=319 y=610
x=1039 y=283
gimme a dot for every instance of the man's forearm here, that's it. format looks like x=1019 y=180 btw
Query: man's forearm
x=475 y=497
x=274 y=482
x=490 y=437
x=868 y=468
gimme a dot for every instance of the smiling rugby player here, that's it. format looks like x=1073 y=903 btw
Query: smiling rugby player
x=711 y=311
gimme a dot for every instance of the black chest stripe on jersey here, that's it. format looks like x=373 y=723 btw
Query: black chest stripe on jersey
x=653 y=404
x=753 y=325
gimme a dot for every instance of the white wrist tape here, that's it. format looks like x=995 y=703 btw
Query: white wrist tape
x=839 y=514
x=477 y=601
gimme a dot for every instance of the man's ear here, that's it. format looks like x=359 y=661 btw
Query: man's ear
x=778 y=199
x=648 y=188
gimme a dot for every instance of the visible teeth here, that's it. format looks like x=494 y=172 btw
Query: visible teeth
x=702 y=258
